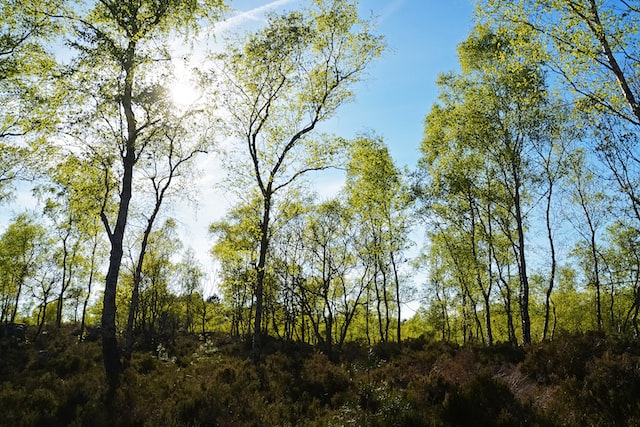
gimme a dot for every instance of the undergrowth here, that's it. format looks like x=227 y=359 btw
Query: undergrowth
x=575 y=380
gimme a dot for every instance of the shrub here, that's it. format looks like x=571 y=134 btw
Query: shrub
x=428 y=393
x=564 y=357
x=485 y=401
x=324 y=380
x=145 y=363
x=611 y=387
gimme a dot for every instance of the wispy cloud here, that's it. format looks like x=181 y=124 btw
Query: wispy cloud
x=390 y=10
x=256 y=14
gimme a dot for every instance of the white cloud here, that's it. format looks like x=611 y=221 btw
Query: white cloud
x=257 y=14
x=390 y=10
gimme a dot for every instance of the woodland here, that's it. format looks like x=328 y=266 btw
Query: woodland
x=520 y=307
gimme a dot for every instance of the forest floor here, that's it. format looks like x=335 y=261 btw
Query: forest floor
x=575 y=380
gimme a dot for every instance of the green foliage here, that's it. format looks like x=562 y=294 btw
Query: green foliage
x=23 y=258
x=27 y=68
x=482 y=178
x=592 y=45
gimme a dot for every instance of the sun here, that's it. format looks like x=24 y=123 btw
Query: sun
x=183 y=94
x=182 y=90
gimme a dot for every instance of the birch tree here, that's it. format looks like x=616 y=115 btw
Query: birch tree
x=115 y=113
x=282 y=83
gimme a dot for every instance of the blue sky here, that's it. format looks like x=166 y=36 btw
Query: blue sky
x=422 y=36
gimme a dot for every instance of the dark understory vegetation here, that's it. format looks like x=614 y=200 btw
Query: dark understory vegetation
x=576 y=380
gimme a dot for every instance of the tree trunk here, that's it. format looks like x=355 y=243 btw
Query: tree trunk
x=596 y=276
x=63 y=284
x=110 y=351
x=522 y=267
x=14 y=313
x=256 y=345
x=397 y=283
x=86 y=300
x=552 y=275
x=21 y=279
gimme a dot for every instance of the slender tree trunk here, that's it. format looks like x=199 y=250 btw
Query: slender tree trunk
x=42 y=315
x=379 y=308
x=367 y=315
x=137 y=278
x=522 y=267
x=612 y=315
x=110 y=352
x=636 y=310
x=510 y=324
x=485 y=290
x=465 y=320
x=349 y=313
x=329 y=330
x=21 y=278
x=596 y=277
x=14 y=313
x=490 y=257
x=4 y=314
x=133 y=309
x=63 y=284
x=397 y=283
x=555 y=323
x=203 y=319
x=256 y=345
x=86 y=300
x=552 y=274
x=506 y=298
x=385 y=293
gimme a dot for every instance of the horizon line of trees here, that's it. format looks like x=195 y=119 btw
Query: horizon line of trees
x=526 y=185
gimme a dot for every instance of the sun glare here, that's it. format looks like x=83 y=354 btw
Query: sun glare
x=183 y=94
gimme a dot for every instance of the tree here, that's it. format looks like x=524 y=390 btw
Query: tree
x=236 y=248
x=592 y=47
x=26 y=70
x=552 y=157
x=594 y=207
x=284 y=81
x=190 y=276
x=291 y=267
x=622 y=265
x=325 y=293
x=164 y=163
x=376 y=192
x=155 y=314
x=73 y=202
x=45 y=279
x=116 y=113
x=21 y=253
x=479 y=146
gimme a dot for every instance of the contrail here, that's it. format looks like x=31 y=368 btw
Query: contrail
x=252 y=15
